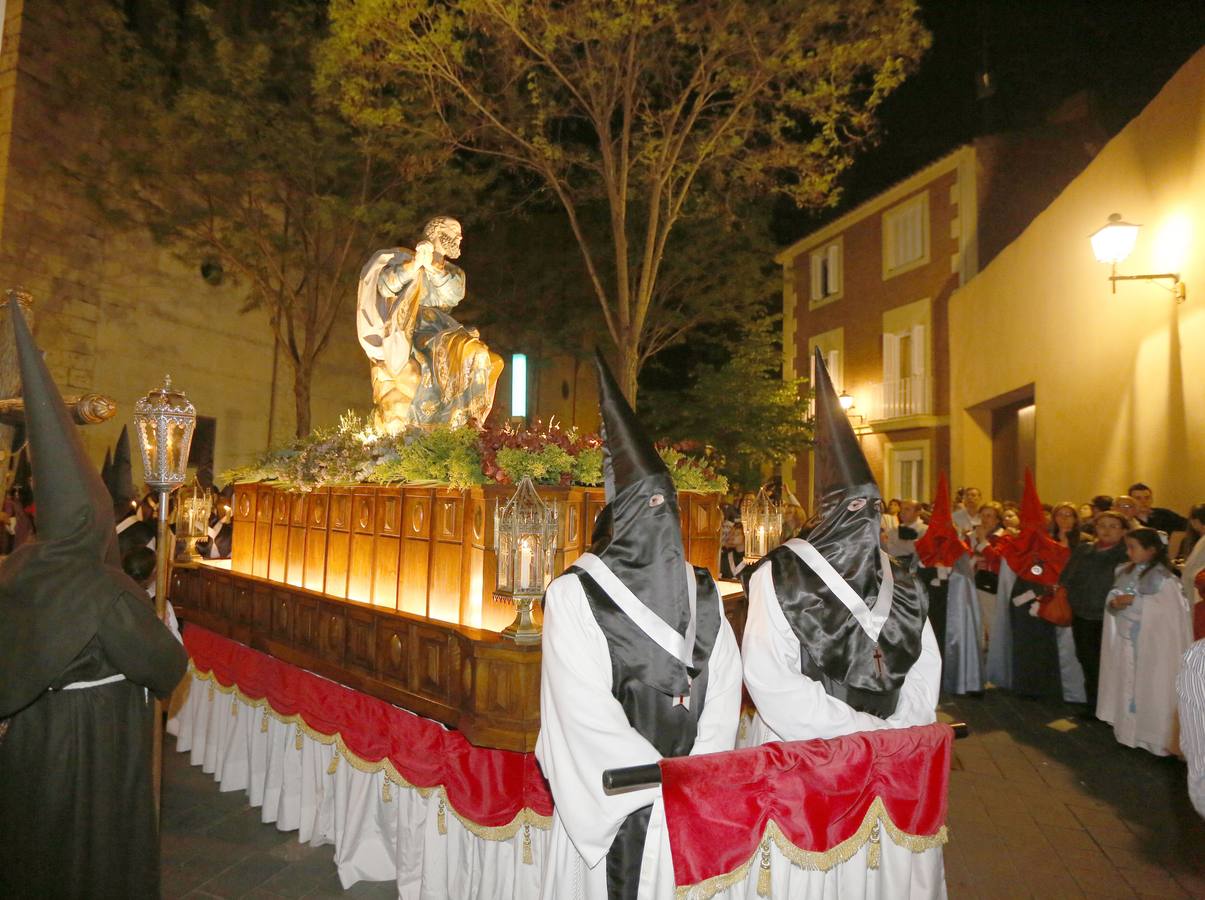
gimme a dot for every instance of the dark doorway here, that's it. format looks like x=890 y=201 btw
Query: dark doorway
x=1013 y=447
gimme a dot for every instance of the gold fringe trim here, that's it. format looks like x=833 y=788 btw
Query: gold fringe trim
x=234 y=707
x=441 y=822
x=334 y=766
x=386 y=793
x=868 y=832
x=527 y=859
x=263 y=723
x=525 y=817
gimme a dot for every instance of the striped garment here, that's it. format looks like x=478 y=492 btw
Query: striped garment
x=1190 y=685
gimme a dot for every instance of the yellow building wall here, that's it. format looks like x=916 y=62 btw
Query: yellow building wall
x=1118 y=380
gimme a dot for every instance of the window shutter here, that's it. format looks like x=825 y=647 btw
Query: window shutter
x=891 y=354
x=834 y=269
x=919 y=361
x=833 y=361
x=817 y=276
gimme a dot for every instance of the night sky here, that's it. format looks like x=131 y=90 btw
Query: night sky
x=1038 y=54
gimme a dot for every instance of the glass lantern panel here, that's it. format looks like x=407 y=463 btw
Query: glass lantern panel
x=528 y=564
x=178 y=439
x=150 y=447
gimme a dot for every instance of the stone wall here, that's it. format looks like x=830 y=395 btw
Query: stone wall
x=114 y=311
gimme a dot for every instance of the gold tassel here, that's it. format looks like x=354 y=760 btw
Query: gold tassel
x=297 y=743
x=386 y=791
x=527 y=860
x=210 y=690
x=763 y=874
x=874 y=852
x=330 y=770
x=234 y=706
x=441 y=823
x=263 y=723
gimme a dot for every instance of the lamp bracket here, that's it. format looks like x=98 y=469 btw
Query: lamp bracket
x=1179 y=290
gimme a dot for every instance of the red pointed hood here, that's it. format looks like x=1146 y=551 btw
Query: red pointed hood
x=1033 y=554
x=941 y=545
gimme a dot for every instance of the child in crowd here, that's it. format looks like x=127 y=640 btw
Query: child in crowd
x=1146 y=631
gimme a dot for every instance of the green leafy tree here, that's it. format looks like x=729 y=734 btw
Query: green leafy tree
x=653 y=111
x=215 y=141
x=741 y=407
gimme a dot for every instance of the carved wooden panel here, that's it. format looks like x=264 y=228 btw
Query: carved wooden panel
x=393 y=651
x=244 y=502
x=416 y=512
x=306 y=623
x=389 y=513
x=282 y=503
x=448 y=520
x=430 y=665
x=412 y=580
x=360 y=646
x=263 y=543
x=295 y=563
x=338 y=559
x=340 y=509
x=363 y=510
x=282 y=615
x=444 y=586
x=386 y=568
x=332 y=632
x=261 y=608
x=317 y=512
x=242 y=548
x=244 y=604
x=263 y=505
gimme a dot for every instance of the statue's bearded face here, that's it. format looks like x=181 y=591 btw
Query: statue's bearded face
x=448 y=241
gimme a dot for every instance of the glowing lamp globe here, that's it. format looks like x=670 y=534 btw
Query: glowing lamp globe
x=525 y=533
x=1114 y=241
x=164 y=420
x=192 y=519
x=761 y=520
x=846 y=401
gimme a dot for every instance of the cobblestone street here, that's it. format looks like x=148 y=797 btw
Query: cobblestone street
x=1041 y=805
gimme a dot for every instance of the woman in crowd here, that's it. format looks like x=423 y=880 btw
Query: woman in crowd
x=1011 y=520
x=1088 y=578
x=1192 y=549
x=966 y=517
x=1146 y=631
x=1064 y=524
x=984 y=538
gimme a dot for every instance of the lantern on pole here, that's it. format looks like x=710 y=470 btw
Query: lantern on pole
x=164 y=421
x=761 y=519
x=192 y=520
x=525 y=532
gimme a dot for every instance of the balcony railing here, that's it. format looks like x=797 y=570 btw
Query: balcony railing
x=911 y=396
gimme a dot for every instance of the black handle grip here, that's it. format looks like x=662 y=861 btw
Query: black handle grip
x=615 y=780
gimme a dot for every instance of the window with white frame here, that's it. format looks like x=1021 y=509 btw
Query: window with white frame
x=906 y=235
x=908 y=474
x=825 y=266
x=905 y=381
x=832 y=359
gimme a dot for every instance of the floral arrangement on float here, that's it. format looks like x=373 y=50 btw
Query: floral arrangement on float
x=353 y=452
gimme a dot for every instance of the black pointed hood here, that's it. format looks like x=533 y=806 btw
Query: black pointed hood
x=862 y=670
x=55 y=589
x=121 y=483
x=645 y=549
x=851 y=506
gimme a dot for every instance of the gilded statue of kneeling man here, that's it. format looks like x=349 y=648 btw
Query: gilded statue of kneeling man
x=427 y=368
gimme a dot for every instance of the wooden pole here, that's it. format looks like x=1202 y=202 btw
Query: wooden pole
x=163 y=552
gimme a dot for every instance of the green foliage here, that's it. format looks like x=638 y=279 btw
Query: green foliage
x=442 y=454
x=742 y=408
x=637 y=117
x=354 y=453
x=692 y=474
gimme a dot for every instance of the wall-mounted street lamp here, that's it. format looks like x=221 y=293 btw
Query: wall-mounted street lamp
x=1114 y=241
x=847 y=404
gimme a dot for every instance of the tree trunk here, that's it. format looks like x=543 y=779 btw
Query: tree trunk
x=629 y=361
x=302 y=375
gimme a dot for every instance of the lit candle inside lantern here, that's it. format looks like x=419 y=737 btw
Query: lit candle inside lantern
x=525 y=566
x=760 y=548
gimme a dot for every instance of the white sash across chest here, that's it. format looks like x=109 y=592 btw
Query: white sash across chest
x=681 y=647
x=870 y=620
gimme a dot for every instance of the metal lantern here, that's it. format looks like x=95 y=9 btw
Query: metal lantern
x=164 y=420
x=761 y=519
x=525 y=532
x=192 y=519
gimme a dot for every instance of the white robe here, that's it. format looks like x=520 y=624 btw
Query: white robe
x=584 y=730
x=1142 y=674
x=797 y=708
x=793 y=707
